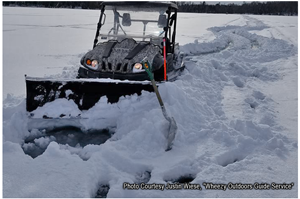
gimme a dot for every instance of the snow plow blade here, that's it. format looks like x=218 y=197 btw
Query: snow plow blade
x=84 y=92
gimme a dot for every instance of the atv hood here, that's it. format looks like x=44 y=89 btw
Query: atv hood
x=120 y=57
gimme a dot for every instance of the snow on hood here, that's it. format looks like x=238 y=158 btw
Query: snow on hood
x=117 y=61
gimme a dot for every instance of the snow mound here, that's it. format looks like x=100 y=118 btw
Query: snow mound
x=59 y=108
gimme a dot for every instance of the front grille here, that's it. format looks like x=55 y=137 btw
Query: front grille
x=115 y=66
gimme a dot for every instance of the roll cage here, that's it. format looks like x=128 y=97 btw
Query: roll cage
x=166 y=21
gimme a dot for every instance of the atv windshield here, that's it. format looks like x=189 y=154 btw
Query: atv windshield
x=141 y=24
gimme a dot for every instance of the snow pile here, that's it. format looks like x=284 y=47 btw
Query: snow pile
x=240 y=42
x=228 y=130
x=14 y=119
x=59 y=108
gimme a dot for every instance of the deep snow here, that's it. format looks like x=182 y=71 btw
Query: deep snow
x=235 y=106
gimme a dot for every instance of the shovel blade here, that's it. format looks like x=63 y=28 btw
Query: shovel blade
x=171 y=133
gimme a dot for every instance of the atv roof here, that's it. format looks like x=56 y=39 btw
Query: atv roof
x=147 y=4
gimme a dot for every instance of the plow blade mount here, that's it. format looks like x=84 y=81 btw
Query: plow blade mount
x=84 y=92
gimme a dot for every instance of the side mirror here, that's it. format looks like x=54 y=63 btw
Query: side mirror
x=162 y=21
x=126 y=20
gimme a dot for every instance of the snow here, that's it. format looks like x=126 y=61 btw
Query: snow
x=235 y=106
x=63 y=80
x=55 y=109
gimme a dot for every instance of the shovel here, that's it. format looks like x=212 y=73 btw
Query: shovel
x=172 y=124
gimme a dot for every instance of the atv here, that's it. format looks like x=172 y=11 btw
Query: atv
x=127 y=33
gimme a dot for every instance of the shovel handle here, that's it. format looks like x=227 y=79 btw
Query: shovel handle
x=146 y=67
x=157 y=94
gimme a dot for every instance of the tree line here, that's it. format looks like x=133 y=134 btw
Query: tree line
x=260 y=8
x=55 y=4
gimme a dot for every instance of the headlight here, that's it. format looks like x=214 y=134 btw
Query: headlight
x=137 y=68
x=88 y=62
x=95 y=63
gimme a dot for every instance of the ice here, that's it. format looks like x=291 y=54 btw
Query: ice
x=235 y=106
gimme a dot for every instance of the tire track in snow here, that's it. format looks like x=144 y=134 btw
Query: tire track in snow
x=234 y=20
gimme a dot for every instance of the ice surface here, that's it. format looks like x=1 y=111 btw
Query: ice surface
x=235 y=106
